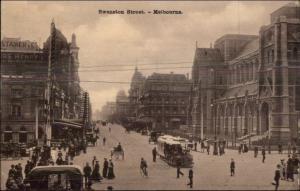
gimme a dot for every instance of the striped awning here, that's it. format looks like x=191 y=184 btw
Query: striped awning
x=68 y=124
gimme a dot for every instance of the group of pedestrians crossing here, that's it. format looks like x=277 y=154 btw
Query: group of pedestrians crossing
x=92 y=173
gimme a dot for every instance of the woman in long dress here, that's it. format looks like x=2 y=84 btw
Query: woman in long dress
x=96 y=172
x=105 y=168
x=110 y=174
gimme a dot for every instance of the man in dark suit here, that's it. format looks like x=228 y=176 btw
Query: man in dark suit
x=263 y=152
x=87 y=170
x=232 y=167
x=191 y=174
x=277 y=177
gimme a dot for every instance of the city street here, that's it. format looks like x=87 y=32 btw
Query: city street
x=210 y=172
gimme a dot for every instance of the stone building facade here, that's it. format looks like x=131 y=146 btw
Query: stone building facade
x=24 y=67
x=122 y=106
x=164 y=100
x=247 y=87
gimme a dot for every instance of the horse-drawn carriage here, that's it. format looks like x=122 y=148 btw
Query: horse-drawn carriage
x=117 y=152
x=91 y=139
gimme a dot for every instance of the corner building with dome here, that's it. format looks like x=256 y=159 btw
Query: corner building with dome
x=24 y=72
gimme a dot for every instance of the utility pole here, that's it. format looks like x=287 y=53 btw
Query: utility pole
x=49 y=106
x=85 y=114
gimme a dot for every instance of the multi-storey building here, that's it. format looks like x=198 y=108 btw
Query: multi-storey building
x=108 y=111
x=164 y=100
x=122 y=106
x=24 y=68
x=248 y=86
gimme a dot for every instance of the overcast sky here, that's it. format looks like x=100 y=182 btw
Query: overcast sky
x=133 y=39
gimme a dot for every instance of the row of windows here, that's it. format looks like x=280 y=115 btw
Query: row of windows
x=242 y=73
x=149 y=112
x=164 y=101
x=22 y=137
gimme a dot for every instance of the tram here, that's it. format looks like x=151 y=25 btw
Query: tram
x=174 y=150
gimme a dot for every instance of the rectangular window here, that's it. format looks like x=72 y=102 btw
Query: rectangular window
x=22 y=137
x=7 y=137
x=16 y=110
x=16 y=92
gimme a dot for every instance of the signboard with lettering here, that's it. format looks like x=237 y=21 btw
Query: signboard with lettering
x=17 y=44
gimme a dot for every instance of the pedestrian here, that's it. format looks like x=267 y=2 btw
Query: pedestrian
x=179 y=171
x=202 y=146
x=279 y=149
x=263 y=152
x=240 y=149
x=215 y=151
x=105 y=168
x=191 y=174
x=110 y=174
x=289 y=169
x=277 y=177
x=295 y=163
x=19 y=171
x=27 y=168
x=282 y=169
x=255 y=151
x=294 y=149
x=232 y=167
x=12 y=171
x=208 y=148
x=154 y=152
x=59 y=161
x=87 y=170
x=104 y=140
x=195 y=146
x=109 y=129
x=94 y=162
x=96 y=172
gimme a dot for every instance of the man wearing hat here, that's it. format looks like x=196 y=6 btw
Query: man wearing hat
x=282 y=169
x=277 y=177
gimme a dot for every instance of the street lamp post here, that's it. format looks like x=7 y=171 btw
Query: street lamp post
x=214 y=106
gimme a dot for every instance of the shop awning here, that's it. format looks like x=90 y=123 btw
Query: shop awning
x=68 y=124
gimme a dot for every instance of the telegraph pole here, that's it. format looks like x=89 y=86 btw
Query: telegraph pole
x=49 y=108
x=85 y=114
